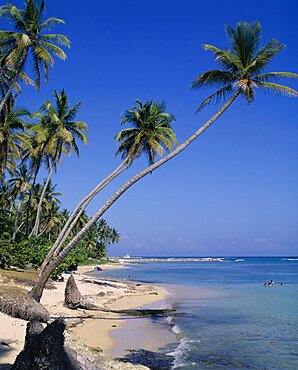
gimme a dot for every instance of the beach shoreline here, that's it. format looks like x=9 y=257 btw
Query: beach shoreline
x=106 y=335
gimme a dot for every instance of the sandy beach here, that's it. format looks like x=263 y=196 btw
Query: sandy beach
x=106 y=335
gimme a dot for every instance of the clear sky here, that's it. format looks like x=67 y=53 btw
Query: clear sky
x=235 y=190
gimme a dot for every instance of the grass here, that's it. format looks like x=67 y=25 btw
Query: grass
x=27 y=277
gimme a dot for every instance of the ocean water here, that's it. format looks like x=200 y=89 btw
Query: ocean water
x=225 y=317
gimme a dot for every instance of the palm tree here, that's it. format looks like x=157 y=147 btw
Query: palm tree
x=242 y=66
x=28 y=36
x=99 y=237
x=5 y=197
x=151 y=134
x=35 y=155
x=11 y=126
x=50 y=200
x=61 y=134
x=241 y=75
x=20 y=183
x=50 y=218
x=6 y=76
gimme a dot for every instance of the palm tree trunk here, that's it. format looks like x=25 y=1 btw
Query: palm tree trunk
x=3 y=157
x=17 y=214
x=29 y=201
x=37 y=290
x=77 y=212
x=35 y=229
x=15 y=78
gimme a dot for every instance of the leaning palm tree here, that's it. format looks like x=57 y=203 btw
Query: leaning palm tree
x=11 y=125
x=62 y=131
x=241 y=75
x=28 y=36
x=151 y=134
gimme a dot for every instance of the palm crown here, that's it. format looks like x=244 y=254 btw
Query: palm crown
x=243 y=65
x=58 y=127
x=28 y=35
x=11 y=125
x=151 y=133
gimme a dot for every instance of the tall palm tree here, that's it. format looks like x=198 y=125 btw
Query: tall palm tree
x=241 y=75
x=35 y=155
x=50 y=217
x=28 y=37
x=11 y=125
x=50 y=200
x=62 y=131
x=20 y=183
x=151 y=133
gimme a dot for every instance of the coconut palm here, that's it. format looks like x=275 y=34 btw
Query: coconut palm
x=28 y=37
x=11 y=125
x=151 y=133
x=243 y=65
x=99 y=237
x=6 y=76
x=20 y=183
x=50 y=200
x=241 y=75
x=50 y=218
x=62 y=131
x=35 y=155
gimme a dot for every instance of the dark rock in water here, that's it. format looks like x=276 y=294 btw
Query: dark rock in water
x=153 y=360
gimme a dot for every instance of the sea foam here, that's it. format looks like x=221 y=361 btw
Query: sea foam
x=180 y=354
x=290 y=259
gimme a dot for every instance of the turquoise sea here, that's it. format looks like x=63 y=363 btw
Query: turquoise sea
x=225 y=317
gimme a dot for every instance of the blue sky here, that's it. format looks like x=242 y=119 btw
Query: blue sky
x=235 y=190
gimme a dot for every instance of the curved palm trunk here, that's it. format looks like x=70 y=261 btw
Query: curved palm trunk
x=37 y=290
x=35 y=229
x=15 y=78
x=77 y=212
x=15 y=230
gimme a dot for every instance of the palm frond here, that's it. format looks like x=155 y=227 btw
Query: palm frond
x=278 y=89
x=51 y=22
x=214 y=77
x=273 y=76
x=222 y=93
x=58 y=52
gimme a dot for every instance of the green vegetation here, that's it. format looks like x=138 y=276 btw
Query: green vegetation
x=30 y=214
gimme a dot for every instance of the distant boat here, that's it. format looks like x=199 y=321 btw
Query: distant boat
x=127 y=256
